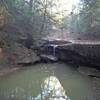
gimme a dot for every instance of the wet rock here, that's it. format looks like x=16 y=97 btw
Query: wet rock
x=70 y=56
x=48 y=58
x=93 y=72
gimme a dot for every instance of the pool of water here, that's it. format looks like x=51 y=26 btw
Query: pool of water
x=45 y=82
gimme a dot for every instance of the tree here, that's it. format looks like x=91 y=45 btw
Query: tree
x=87 y=20
x=28 y=18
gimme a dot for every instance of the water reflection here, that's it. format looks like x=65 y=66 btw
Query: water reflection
x=51 y=89
x=34 y=84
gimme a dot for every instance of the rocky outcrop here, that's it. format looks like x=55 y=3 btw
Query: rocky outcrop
x=79 y=52
x=84 y=53
x=23 y=55
x=93 y=72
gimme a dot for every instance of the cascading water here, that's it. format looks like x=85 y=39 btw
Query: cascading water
x=54 y=49
x=54 y=46
x=51 y=55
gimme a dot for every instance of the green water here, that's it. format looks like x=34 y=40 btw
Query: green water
x=30 y=83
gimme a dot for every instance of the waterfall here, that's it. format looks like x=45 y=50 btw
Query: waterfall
x=54 y=48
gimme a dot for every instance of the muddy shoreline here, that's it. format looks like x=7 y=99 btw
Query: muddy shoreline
x=8 y=70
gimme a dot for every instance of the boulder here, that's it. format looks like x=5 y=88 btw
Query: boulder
x=23 y=55
x=27 y=58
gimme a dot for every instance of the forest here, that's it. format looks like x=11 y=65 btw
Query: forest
x=35 y=19
x=49 y=42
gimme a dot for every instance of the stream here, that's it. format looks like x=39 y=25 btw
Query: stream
x=56 y=81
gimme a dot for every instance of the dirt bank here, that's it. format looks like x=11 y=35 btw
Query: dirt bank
x=8 y=70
